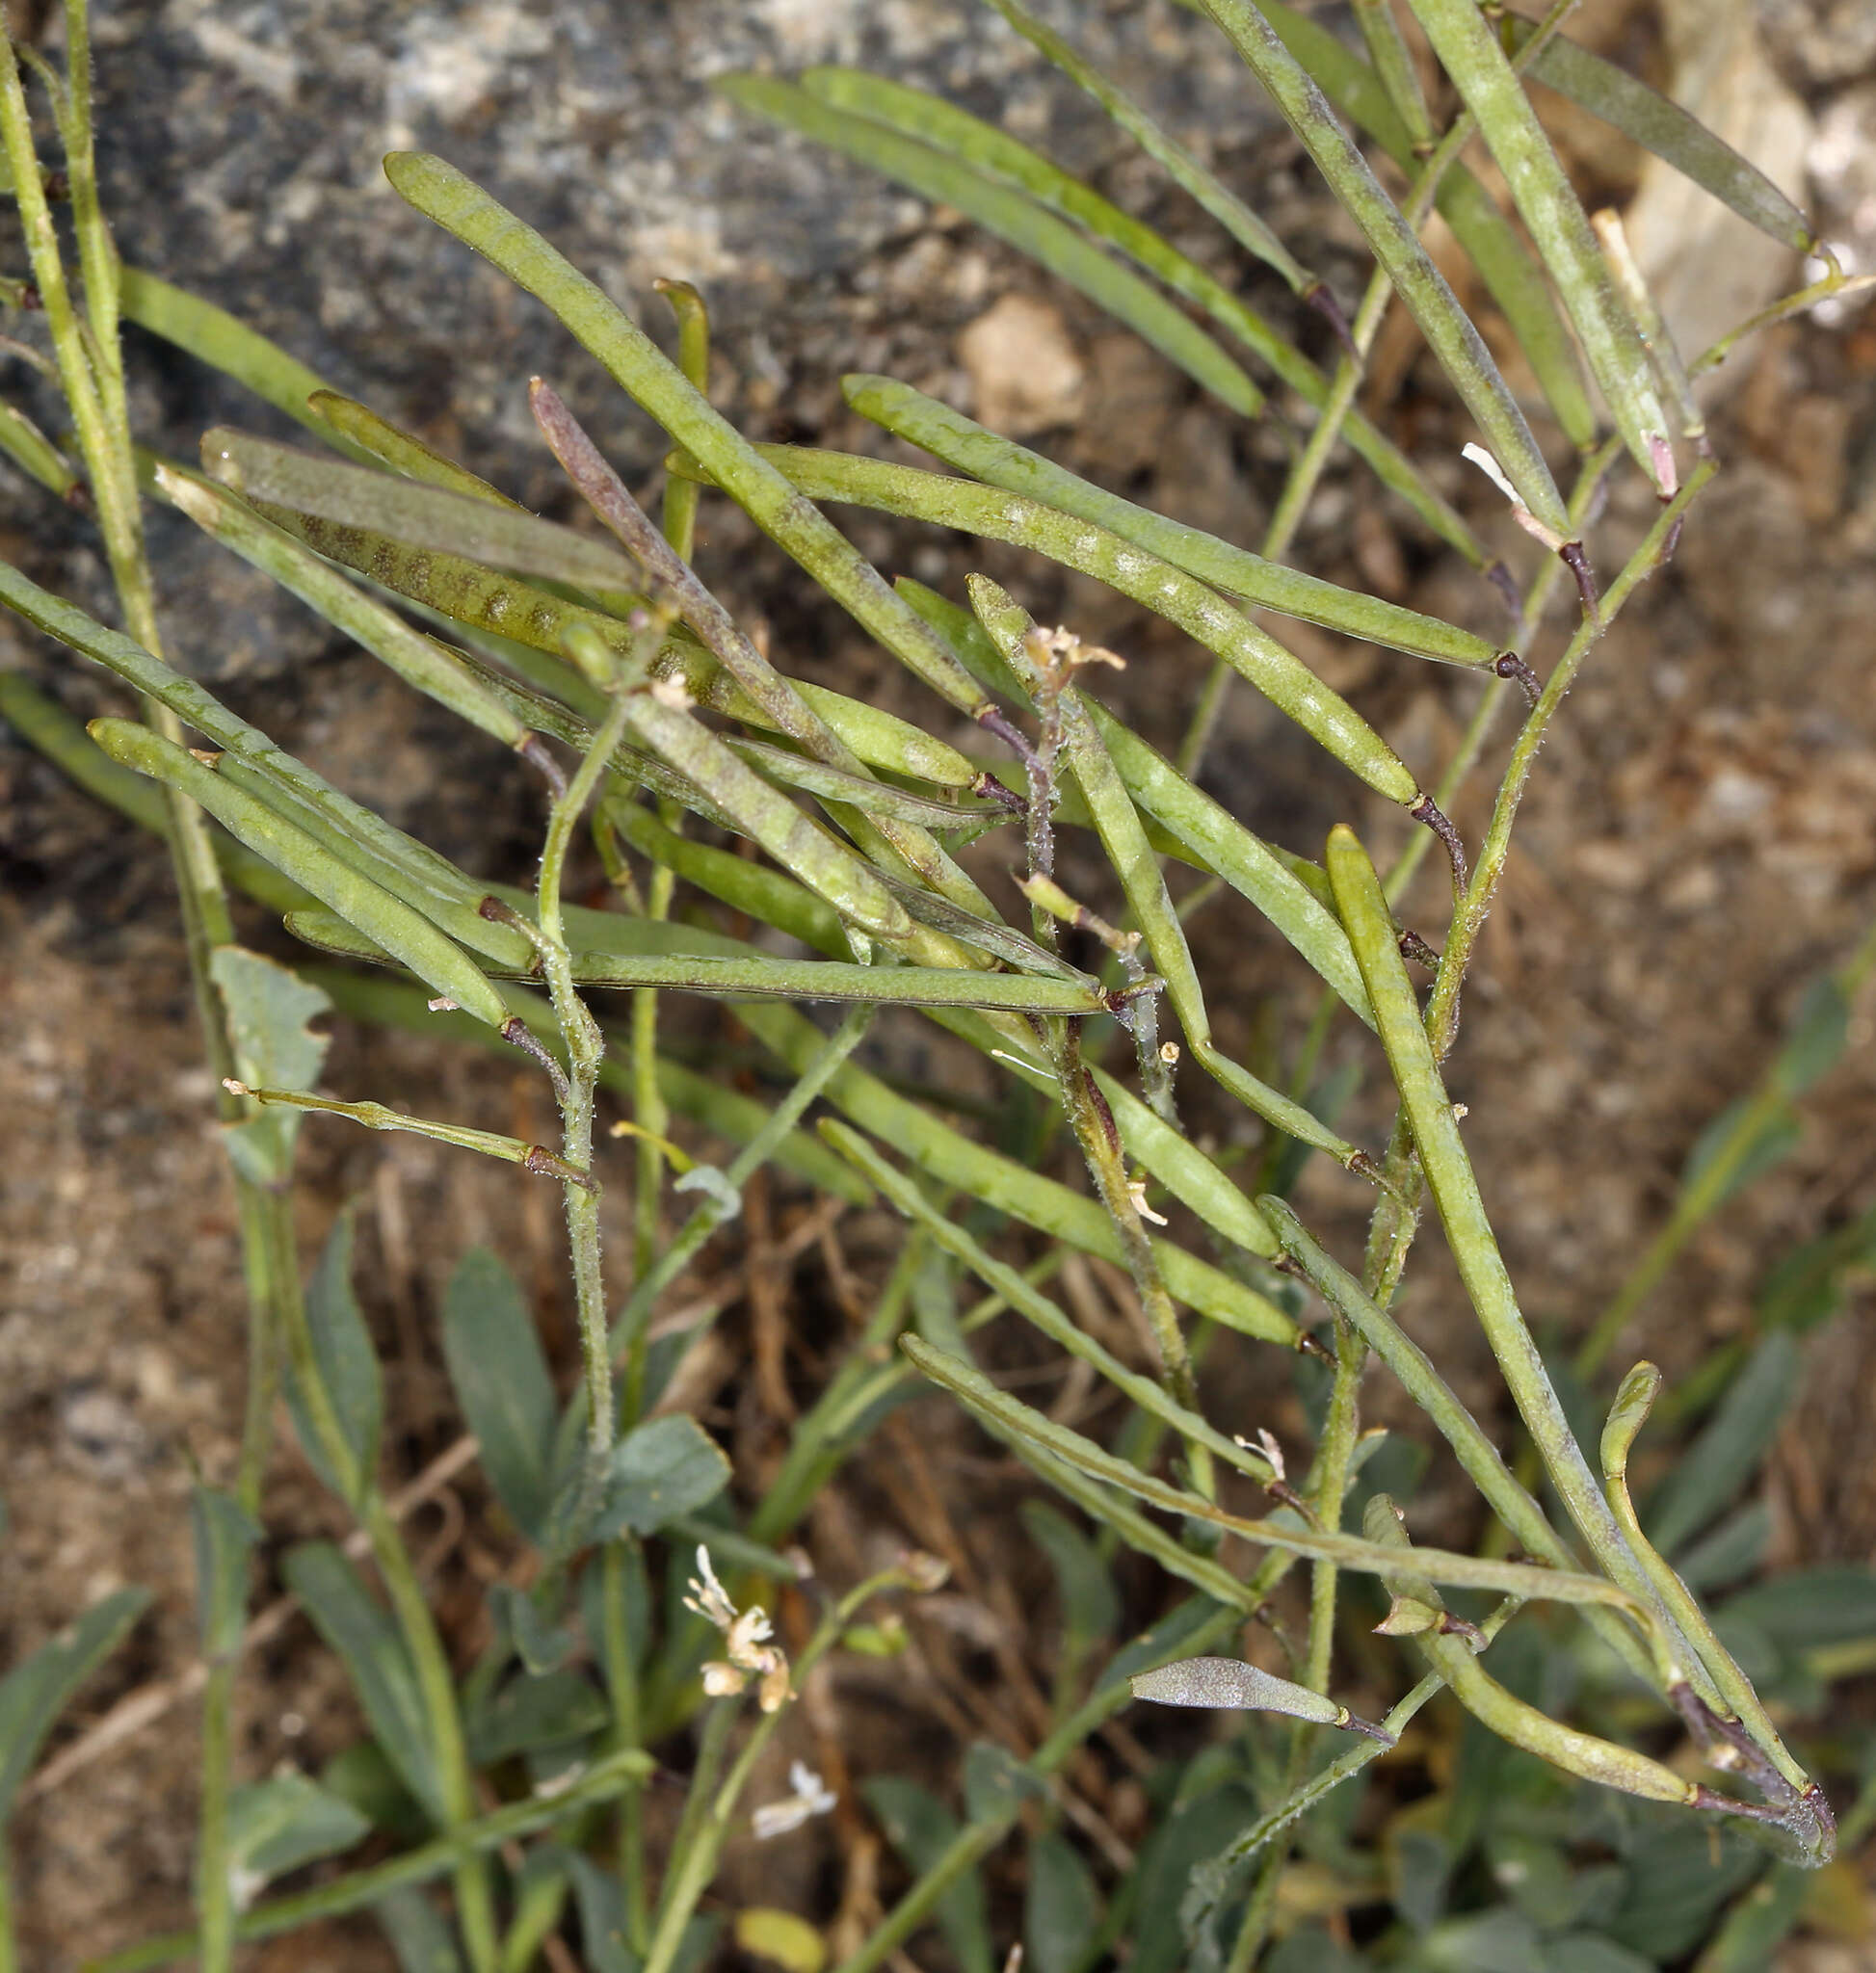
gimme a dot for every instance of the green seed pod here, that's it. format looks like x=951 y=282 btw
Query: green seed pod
x=411 y=939
x=768 y=817
x=968 y=447
x=1093 y=550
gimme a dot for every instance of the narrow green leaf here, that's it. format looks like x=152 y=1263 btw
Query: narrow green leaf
x=1091 y=1605
x=350 y=833
x=602 y=1918
x=660 y=1470
x=1748 y=1139
x=535 y=1713
x=358 y=900
x=1061 y=1907
x=1748 y=1939
x=1661 y=126
x=502 y=1383
x=424 y=517
x=333 y=1594
x=1494 y=244
x=1809 y=1608
x=283 y=1823
x=1818 y=1035
x=420 y=661
x=1734 y=1549
x=224 y=343
x=1188 y=279
x=224 y=1536
x=1808 y=1285
x=37 y=1691
x=402 y=451
x=948 y=178
x=267 y=1009
x=1179 y=165
x=347 y=1366
x=417 y=1935
x=541 y=1644
x=996 y=1784
x=33 y=452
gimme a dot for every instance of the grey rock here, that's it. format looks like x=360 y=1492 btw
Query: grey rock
x=241 y=147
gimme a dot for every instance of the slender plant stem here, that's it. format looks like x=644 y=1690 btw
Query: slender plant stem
x=1468 y=921
x=623 y=1688
x=649 y=1112
x=475 y=1900
x=586 y=1050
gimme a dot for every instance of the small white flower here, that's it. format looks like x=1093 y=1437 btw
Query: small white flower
x=811 y=1797
x=709 y=1598
x=745 y=1635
